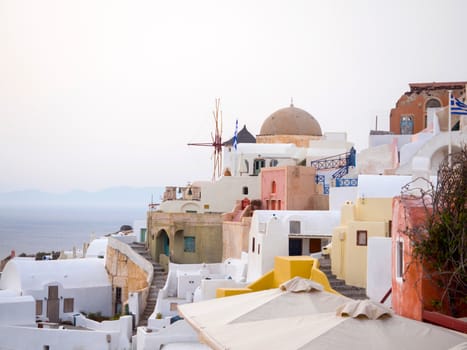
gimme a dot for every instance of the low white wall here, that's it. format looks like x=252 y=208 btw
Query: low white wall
x=208 y=288
x=17 y=310
x=178 y=332
x=379 y=268
x=29 y=338
x=339 y=195
x=135 y=305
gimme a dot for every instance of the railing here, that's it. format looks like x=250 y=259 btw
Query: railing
x=340 y=160
x=340 y=172
x=347 y=182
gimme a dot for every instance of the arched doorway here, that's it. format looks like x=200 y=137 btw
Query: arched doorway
x=431 y=103
x=162 y=244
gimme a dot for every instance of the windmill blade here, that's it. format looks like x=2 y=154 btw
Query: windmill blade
x=216 y=137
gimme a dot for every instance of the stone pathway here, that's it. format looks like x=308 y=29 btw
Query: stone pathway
x=339 y=285
x=158 y=282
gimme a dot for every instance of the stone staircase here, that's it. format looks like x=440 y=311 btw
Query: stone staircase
x=158 y=282
x=339 y=285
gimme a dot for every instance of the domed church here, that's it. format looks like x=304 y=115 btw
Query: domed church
x=290 y=125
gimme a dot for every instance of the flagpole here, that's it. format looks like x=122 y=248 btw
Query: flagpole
x=235 y=148
x=449 y=129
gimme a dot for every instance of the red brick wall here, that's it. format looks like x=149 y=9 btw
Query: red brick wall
x=414 y=103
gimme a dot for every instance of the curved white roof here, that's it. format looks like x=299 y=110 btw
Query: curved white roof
x=97 y=247
x=26 y=275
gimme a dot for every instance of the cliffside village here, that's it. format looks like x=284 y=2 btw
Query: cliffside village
x=298 y=224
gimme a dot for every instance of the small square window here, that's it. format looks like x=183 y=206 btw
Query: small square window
x=362 y=237
x=189 y=244
x=294 y=227
x=68 y=305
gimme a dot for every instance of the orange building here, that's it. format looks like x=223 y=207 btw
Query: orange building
x=410 y=115
x=414 y=293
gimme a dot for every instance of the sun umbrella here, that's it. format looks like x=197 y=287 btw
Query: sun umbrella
x=277 y=319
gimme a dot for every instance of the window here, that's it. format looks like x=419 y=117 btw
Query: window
x=399 y=259
x=406 y=125
x=259 y=248
x=253 y=245
x=189 y=243
x=432 y=103
x=273 y=187
x=38 y=307
x=245 y=190
x=258 y=165
x=273 y=163
x=362 y=236
x=294 y=227
x=68 y=305
x=390 y=228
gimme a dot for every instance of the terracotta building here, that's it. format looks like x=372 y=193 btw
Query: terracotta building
x=415 y=294
x=291 y=188
x=411 y=114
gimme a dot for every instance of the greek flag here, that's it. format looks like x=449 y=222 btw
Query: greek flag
x=458 y=107
x=235 y=140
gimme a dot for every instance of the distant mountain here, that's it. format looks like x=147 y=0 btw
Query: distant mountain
x=114 y=196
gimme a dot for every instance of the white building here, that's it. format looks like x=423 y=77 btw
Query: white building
x=276 y=233
x=60 y=288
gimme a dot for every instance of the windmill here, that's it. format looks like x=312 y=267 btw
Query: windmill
x=216 y=141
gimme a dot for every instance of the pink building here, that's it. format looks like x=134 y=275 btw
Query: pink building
x=291 y=188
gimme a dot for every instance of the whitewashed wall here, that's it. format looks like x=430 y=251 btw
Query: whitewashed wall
x=25 y=338
x=17 y=310
x=379 y=268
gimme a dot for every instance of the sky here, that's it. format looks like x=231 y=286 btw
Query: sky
x=103 y=93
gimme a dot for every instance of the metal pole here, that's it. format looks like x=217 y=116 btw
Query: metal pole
x=449 y=129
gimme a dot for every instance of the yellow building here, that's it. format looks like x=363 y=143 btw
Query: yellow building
x=369 y=216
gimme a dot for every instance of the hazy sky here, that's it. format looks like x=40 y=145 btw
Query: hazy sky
x=98 y=93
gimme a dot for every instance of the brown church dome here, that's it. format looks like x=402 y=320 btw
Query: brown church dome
x=291 y=121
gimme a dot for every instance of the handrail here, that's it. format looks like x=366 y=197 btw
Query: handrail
x=388 y=293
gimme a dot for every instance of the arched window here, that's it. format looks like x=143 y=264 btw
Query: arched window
x=258 y=165
x=273 y=187
x=273 y=163
x=247 y=166
x=432 y=103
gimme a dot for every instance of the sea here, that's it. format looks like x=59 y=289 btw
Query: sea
x=55 y=228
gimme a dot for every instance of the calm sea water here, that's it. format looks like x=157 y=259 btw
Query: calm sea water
x=35 y=229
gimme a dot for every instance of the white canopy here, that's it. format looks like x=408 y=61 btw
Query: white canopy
x=275 y=319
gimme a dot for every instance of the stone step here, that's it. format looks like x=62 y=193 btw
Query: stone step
x=158 y=282
x=338 y=284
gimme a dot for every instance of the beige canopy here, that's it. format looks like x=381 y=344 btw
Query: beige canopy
x=276 y=319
